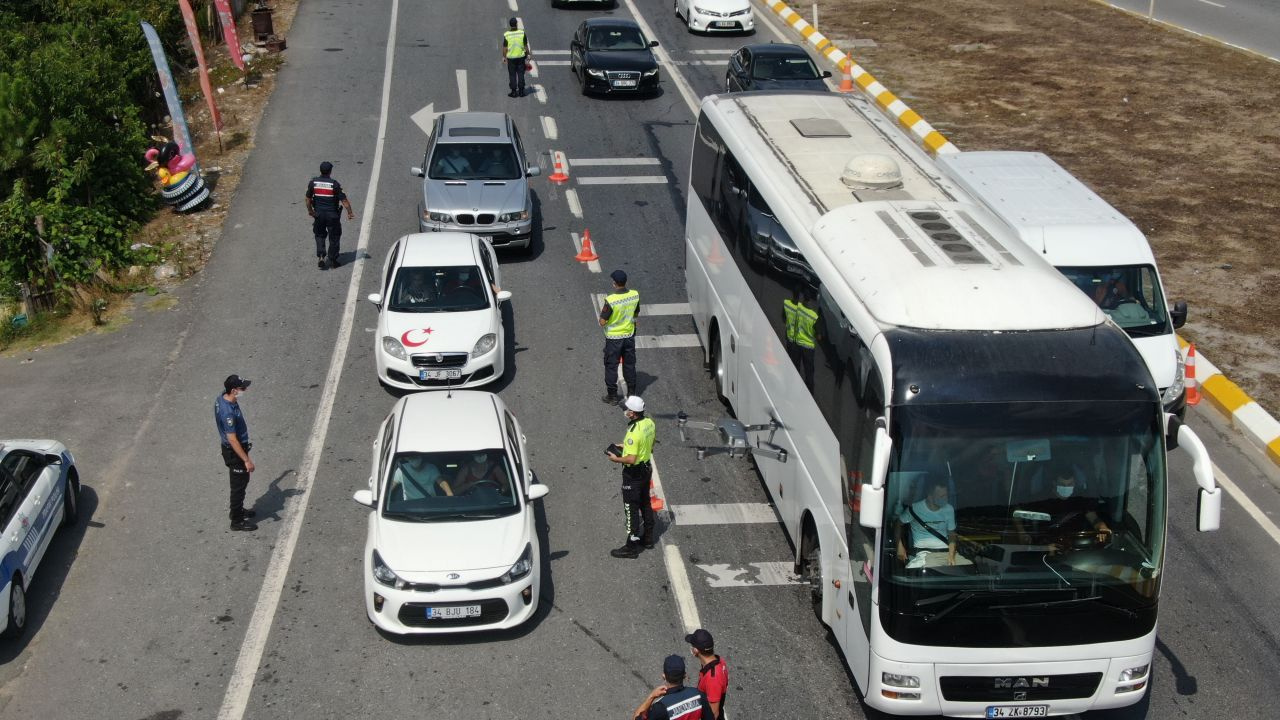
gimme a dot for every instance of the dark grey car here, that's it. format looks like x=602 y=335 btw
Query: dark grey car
x=773 y=66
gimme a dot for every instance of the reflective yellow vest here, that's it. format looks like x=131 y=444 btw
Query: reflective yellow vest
x=515 y=43
x=806 y=321
x=622 y=322
x=789 y=312
x=639 y=440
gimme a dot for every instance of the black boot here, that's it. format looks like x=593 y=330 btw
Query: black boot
x=630 y=551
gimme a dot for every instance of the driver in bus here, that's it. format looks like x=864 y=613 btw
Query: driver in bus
x=933 y=528
x=1070 y=513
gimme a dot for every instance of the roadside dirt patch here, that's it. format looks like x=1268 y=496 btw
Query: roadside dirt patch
x=1176 y=132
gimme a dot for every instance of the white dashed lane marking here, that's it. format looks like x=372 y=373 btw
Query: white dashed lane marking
x=724 y=514
x=575 y=205
x=589 y=162
x=549 y=128
x=624 y=180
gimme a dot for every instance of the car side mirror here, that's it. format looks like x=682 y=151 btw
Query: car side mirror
x=376 y=299
x=533 y=171
x=364 y=497
x=52 y=459
x=416 y=172
x=503 y=295
x=653 y=43
x=537 y=492
x=826 y=73
x=1179 y=313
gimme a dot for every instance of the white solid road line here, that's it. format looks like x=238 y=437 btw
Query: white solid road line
x=512 y=4
x=592 y=265
x=646 y=342
x=549 y=127
x=1254 y=511
x=682 y=85
x=575 y=205
x=625 y=180
x=724 y=514
x=681 y=590
x=240 y=685
x=754 y=574
x=585 y=162
x=1207 y=2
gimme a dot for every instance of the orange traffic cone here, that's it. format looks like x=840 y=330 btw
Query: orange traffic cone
x=655 y=502
x=1193 y=388
x=846 y=80
x=558 y=165
x=588 y=253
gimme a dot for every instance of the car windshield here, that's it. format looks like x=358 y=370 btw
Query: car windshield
x=784 y=68
x=474 y=161
x=615 y=38
x=1026 y=488
x=453 y=288
x=1130 y=295
x=467 y=485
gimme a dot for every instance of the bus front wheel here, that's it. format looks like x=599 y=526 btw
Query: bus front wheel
x=717 y=368
x=811 y=570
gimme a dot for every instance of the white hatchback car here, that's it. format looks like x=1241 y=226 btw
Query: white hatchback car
x=451 y=544
x=440 y=313
x=716 y=15
x=39 y=492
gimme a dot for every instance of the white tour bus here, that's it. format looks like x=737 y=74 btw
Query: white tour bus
x=946 y=358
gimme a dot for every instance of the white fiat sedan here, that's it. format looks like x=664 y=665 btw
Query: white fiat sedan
x=440 y=313
x=451 y=545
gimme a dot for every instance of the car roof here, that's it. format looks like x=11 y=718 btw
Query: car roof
x=776 y=49
x=438 y=248
x=600 y=22
x=472 y=127
x=446 y=421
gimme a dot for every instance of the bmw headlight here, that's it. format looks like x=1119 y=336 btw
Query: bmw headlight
x=392 y=347
x=384 y=574
x=440 y=217
x=595 y=73
x=651 y=73
x=484 y=345
x=522 y=567
x=514 y=216
x=1179 y=383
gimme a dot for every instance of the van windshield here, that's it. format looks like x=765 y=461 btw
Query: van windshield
x=1130 y=295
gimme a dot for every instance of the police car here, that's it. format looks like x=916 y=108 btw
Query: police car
x=39 y=491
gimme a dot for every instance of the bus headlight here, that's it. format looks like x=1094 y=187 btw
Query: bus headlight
x=903 y=681
x=1134 y=673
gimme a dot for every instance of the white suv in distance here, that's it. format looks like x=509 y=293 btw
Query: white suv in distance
x=451 y=544
x=440 y=313
x=717 y=15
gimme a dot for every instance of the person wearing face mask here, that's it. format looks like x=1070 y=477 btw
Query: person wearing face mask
x=233 y=435
x=1070 y=512
x=933 y=528
x=635 y=455
x=416 y=477
x=481 y=470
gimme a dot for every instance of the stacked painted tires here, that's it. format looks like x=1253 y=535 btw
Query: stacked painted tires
x=188 y=193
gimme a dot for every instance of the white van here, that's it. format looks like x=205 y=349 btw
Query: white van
x=1090 y=242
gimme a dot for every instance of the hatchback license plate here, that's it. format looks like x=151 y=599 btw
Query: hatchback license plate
x=439 y=374
x=457 y=612
x=624 y=83
x=725 y=23
x=1017 y=711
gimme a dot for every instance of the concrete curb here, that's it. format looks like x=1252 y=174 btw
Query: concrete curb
x=1242 y=411
x=908 y=118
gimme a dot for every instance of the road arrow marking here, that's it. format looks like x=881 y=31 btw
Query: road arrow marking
x=426 y=117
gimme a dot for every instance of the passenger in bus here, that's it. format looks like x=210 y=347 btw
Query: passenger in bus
x=1072 y=514
x=932 y=522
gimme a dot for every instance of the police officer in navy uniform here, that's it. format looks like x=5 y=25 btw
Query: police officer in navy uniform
x=618 y=318
x=325 y=199
x=516 y=54
x=233 y=434
x=672 y=700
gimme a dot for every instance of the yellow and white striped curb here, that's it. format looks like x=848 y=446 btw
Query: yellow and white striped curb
x=908 y=118
x=1245 y=414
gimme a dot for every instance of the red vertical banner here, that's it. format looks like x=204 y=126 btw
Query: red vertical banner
x=229 y=32
x=194 y=33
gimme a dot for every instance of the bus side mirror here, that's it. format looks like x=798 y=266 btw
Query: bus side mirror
x=871 y=510
x=1179 y=313
x=1209 y=510
x=1209 y=504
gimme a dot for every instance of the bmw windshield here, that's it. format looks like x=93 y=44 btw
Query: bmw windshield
x=456 y=288
x=474 y=161
x=1056 y=512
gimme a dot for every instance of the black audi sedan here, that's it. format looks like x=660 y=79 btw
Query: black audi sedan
x=612 y=55
x=773 y=66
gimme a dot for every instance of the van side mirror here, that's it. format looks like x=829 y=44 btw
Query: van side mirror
x=416 y=172
x=1179 y=313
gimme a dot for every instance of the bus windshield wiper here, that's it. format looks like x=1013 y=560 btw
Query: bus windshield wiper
x=1072 y=601
x=953 y=600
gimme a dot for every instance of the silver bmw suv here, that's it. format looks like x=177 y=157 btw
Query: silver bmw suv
x=475 y=179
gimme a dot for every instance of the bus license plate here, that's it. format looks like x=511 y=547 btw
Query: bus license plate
x=453 y=613
x=439 y=374
x=1017 y=711
x=624 y=83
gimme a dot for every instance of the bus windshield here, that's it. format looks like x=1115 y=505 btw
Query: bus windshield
x=1051 y=508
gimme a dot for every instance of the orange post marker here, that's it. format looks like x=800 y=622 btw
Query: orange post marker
x=655 y=502
x=1193 y=388
x=588 y=253
x=846 y=79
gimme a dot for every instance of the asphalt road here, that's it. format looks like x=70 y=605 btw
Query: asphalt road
x=1251 y=24
x=145 y=608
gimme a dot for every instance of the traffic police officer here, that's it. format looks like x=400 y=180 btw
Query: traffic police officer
x=618 y=318
x=233 y=435
x=672 y=700
x=635 y=456
x=516 y=54
x=324 y=200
